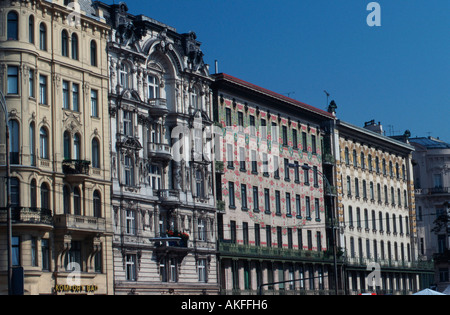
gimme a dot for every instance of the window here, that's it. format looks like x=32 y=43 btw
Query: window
x=279 y=237
x=129 y=171
x=42 y=36
x=77 y=201
x=31 y=29
x=153 y=87
x=285 y=135
x=75 y=97
x=131 y=267
x=13 y=80
x=43 y=89
x=93 y=53
x=15 y=192
x=277 y=202
x=288 y=204
x=316 y=176
x=286 y=169
x=252 y=125
x=64 y=44
x=128 y=123
x=254 y=162
x=347 y=157
x=228 y=118
x=13 y=26
x=269 y=235
x=294 y=139
x=304 y=142
x=242 y=159
x=266 y=200
x=67 y=147
x=313 y=144
x=244 y=196
x=31 y=84
x=33 y=194
x=130 y=222
x=298 y=206
x=257 y=235
x=201 y=225
x=306 y=175
x=308 y=208
x=124 y=76
x=202 y=276
x=44 y=144
x=65 y=95
x=94 y=103
x=45 y=196
x=15 y=247
x=274 y=132
x=95 y=153
x=350 y=216
x=45 y=252
x=66 y=199
x=14 y=138
x=263 y=129
x=231 y=194
x=74 y=43
x=317 y=208
x=76 y=147
x=155 y=175
x=255 y=199
x=241 y=121
x=245 y=233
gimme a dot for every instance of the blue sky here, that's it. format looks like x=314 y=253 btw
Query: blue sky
x=397 y=73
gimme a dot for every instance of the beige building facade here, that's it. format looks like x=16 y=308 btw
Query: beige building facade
x=54 y=77
x=376 y=211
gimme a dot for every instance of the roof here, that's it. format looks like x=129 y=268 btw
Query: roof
x=229 y=78
x=430 y=143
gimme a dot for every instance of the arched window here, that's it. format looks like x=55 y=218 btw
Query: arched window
x=13 y=26
x=64 y=44
x=44 y=144
x=97 y=204
x=14 y=141
x=93 y=53
x=67 y=148
x=42 y=36
x=95 y=153
x=66 y=199
x=77 y=147
x=74 y=46
x=31 y=29
x=45 y=196
x=77 y=201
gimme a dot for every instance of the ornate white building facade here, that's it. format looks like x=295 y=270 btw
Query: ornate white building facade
x=162 y=177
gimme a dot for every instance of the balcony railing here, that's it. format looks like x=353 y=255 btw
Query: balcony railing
x=432 y=191
x=159 y=150
x=158 y=106
x=169 y=196
x=76 y=167
x=79 y=222
x=238 y=250
x=27 y=215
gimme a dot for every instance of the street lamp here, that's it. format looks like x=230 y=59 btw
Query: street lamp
x=8 y=195
x=306 y=167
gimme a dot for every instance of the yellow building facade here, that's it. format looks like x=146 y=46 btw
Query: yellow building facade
x=54 y=76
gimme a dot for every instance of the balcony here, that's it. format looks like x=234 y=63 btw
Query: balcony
x=159 y=151
x=80 y=223
x=76 y=167
x=169 y=197
x=433 y=191
x=158 y=106
x=25 y=215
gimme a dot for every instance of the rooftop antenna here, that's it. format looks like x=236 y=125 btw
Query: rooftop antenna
x=288 y=94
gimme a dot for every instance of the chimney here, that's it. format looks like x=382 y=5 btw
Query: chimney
x=373 y=126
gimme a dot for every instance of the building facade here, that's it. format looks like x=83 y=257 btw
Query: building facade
x=431 y=179
x=270 y=191
x=376 y=212
x=161 y=164
x=55 y=80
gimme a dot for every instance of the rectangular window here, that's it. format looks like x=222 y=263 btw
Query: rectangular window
x=308 y=208
x=128 y=123
x=294 y=139
x=202 y=270
x=13 y=80
x=267 y=200
x=304 y=142
x=65 y=95
x=244 y=196
x=231 y=194
x=43 y=90
x=31 y=84
x=130 y=222
x=269 y=235
x=230 y=158
x=131 y=267
x=285 y=135
x=298 y=206
x=252 y=125
x=94 y=103
x=263 y=129
x=241 y=121
x=34 y=260
x=201 y=225
x=317 y=208
x=245 y=232
x=45 y=252
x=288 y=204
x=255 y=199
x=75 y=97
x=228 y=122
x=277 y=202
x=313 y=144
